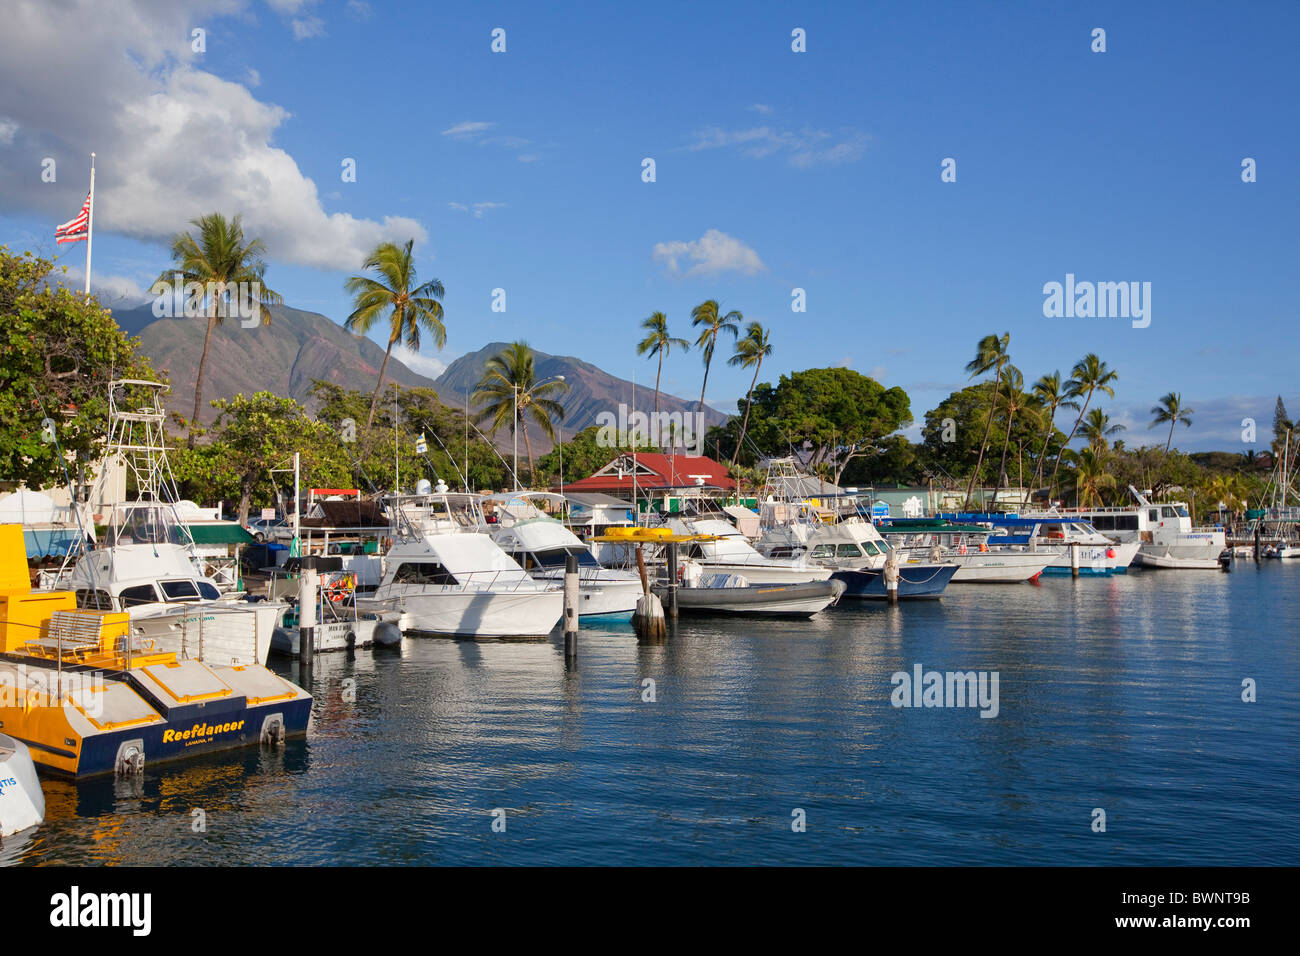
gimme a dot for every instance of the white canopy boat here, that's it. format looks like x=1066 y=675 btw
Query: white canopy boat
x=702 y=592
x=446 y=577
x=731 y=553
x=519 y=524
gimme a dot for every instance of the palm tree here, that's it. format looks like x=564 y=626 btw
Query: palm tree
x=510 y=394
x=1015 y=401
x=1097 y=428
x=1090 y=476
x=754 y=346
x=658 y=342
x=220 y=256
x=412 y=308
x=990 y=354
x=1170 y=409
x=1090 y=374
x=1053 y=395
x=707 y=316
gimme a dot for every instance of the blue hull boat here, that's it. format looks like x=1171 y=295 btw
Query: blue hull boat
x=915 y=581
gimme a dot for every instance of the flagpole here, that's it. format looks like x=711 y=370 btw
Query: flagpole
x=90 y=225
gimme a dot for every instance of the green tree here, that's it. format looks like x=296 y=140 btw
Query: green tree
x=221 y=260
x=1170 y=409
x=1014 y=401
x=754 y=346
x=1090 y=476
x=1097 y=429
x=658 y=342
x=410 y=308
x=1053 y=396
x=990 y=355
x=58 y=353
x=708 y=318
x=1090 y=374
x=834 y=414
x=509 y=394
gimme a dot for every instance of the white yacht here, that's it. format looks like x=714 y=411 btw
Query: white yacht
x=540 y=543
x=1066 y=538
x=170 y=603
x=1163 y=532
x=731 y=552
x=447 y=577
x=978 y=562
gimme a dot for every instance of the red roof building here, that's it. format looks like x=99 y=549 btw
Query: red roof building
x=654 y=472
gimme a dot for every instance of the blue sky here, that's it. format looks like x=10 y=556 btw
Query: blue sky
x=775 y=170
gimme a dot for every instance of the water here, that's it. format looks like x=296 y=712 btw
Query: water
x=1121 y=693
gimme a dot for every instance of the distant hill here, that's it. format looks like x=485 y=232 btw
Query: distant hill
x=282 y=357
x=296 y=347
x=591 y=390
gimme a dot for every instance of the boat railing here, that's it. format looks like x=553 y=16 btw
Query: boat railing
x=486 y=580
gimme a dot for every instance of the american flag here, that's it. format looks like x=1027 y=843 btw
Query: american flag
x=77 y=229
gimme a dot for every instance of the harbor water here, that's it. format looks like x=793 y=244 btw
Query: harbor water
x=1122 y=694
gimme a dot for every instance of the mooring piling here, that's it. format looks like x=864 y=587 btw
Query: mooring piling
x=571 y=599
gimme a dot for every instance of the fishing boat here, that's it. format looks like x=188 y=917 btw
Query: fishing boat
x=87 y=696
x=1072 y=544
x=720 y=547
x=936 y=540
x=831 y=532
x=717 y=592
x=445 y=577
x=1163 y=532
x=338 y=624
x=524 y=525
x=146 y=565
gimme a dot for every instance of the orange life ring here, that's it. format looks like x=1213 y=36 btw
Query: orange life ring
x=339 y=590
x=961 y=549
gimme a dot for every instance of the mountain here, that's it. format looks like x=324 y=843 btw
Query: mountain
x=282 y=357
x=297 y=346
x=591 y=390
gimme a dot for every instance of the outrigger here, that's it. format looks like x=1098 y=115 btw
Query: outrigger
x=88 y=697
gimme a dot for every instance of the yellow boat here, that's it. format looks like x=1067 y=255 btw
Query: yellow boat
x=88 y=698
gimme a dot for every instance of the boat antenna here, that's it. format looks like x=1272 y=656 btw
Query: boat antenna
x=494 y=450
x=428 y=430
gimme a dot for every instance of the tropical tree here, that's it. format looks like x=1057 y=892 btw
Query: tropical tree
x=754 y=346
x=708 y=318
x=1053 y=395
x=1090 y=374
x=1097 y=428
x=1170 y=409
x=990 y=354
x=509 y=394
x=658 y=342
x=410 y=308
x=1015 y=401
x=219 y=258
x=1091 y=474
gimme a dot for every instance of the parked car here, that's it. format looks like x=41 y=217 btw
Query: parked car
x=264 y=529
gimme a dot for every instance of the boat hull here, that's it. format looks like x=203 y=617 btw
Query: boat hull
x=776 y=600
x=756 y=573
x=333 y=636
x=1096 y=559
x=461 y=613
x=993 y=568
x=915 y=582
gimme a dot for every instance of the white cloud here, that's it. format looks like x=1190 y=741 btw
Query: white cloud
x=8 y=128
x=173 y=141
x=253 y=78
x=761 y=108
x=425 y=365
x=467 y=129
x=360 y=9
x=478 y=208
x=307 y=27
x=111 y=290
x=713 y=253
x=807 y=147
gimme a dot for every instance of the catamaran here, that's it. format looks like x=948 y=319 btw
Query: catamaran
x=521 y=526
x=446 y=577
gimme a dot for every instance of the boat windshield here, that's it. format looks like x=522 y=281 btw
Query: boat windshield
x=554 y=558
